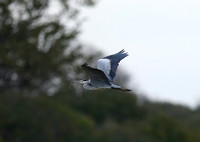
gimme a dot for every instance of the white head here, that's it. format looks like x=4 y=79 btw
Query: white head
x=81 y=81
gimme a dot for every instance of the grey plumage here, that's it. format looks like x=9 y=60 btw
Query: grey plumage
x=97 y=77
x=102 y=77
x=115 y=59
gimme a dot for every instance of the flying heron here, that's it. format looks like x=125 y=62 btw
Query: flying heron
x=102 y=77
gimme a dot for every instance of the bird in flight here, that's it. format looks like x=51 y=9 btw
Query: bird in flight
x=102 y=77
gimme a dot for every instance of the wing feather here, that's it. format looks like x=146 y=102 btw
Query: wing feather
x=110 y=63
x=105 y=66
x=97 y=77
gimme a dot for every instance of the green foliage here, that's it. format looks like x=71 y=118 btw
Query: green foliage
x=41 y=119
x=96 y=116
x=38 y=51
x=165 y=128
x=103 y=104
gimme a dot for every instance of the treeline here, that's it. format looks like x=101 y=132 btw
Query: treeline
x=96 y=116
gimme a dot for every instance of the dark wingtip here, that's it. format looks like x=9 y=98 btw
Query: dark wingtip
x=123 y=52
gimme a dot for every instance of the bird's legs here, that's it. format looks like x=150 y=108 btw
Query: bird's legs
x=121 y=89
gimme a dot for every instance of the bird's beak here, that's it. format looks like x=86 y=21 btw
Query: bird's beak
x=76 y=81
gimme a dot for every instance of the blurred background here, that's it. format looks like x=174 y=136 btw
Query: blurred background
x=43 y=43
x=162 y=38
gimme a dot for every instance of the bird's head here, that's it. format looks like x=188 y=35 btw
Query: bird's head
x=81 y=81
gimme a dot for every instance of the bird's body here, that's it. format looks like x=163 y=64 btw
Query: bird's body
x=89 y=86
x=102 y=77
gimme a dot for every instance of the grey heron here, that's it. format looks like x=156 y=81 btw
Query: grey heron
x=102 y=77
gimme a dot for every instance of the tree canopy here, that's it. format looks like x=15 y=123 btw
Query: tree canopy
x=38 y=50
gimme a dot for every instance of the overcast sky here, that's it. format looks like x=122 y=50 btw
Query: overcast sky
x=163 y=41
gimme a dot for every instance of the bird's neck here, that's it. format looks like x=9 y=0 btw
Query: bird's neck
x=85 y=81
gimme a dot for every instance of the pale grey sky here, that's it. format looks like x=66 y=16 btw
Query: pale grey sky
x=163 y=41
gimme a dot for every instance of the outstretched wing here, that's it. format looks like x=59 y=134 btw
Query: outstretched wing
x=110 y=63
x=97 y=77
